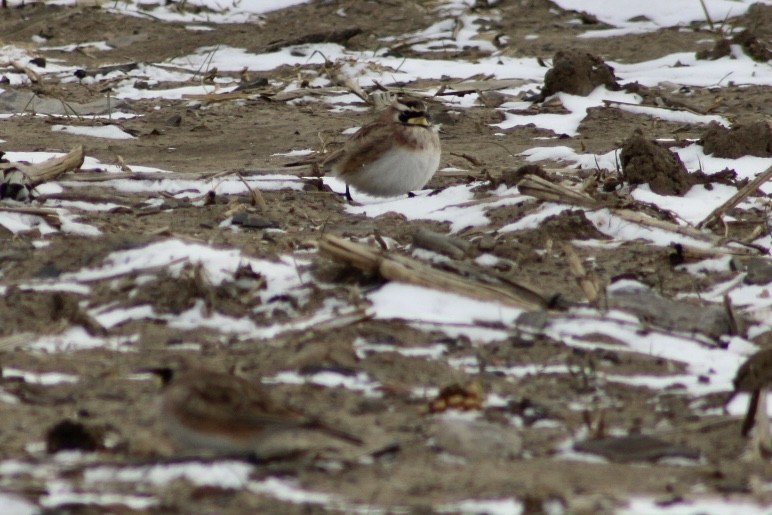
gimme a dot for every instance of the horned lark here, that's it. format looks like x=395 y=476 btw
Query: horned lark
x=755 y=376
x=396 y=154
x=211 y=411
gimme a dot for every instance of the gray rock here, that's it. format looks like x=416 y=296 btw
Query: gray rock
x=671 y=315
x=477 y=439
x=758 y=271
x=636 y=448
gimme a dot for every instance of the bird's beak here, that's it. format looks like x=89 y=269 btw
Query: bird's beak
x=423 y=121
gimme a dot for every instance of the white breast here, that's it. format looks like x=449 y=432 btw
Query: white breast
x=399 y=170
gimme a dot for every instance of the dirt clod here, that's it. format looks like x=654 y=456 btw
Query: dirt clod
x=646 y=162
x=753 y=46
x=753 y=139
x=512 y=177
x=721 y=48
x=577 y=73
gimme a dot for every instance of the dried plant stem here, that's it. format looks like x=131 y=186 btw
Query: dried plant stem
x=400 y=268
x=585 y=280
x=738 y=197
x=51 y=169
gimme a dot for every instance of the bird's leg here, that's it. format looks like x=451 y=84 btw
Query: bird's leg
x=760 y=446
x=750 y=415
x=348 y=195
x=762 y=434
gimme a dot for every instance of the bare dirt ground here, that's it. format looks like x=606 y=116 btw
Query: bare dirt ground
x=174 y=135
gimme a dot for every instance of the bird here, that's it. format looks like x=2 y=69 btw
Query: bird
x=216 y=412
x=395 y=154
x=755 y=376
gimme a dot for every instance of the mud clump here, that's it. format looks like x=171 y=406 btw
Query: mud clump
x=645 y=162
x=577 y=73
x=571 y=225
x=751 y=44
x=743 y=140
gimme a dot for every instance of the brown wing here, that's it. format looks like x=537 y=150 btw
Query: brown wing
x=755 y=373
x=222 y=400
x=231 y=400
x=363 y=147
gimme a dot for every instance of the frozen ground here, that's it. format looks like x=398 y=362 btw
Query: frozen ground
x=116 y=285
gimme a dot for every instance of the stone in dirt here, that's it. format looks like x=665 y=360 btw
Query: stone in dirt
x=635 y=448
x=577 y=73
x=646 y=162
x=758 y=270
x=754 y=139
x=668 y=314
x=477 y=439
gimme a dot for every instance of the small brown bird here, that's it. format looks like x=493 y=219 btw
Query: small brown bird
x=397 y=153
x=226 y=414
x=755 y=376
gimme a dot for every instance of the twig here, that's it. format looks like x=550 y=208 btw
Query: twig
x=257 y=196
x=52 y=168
x=684 y=230
x=707 y=15
x=77 y=196
x=468 y=157
x=196 y=176
x=212 y=98
x=455 y=248
x=738 y=197
x=734 y=321
x=543 y=189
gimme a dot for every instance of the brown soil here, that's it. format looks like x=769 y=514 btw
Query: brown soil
x=111 y=406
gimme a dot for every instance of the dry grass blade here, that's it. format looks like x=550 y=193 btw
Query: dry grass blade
x=285 y=96
x=585 y=280
x=407 y=270
x=707 y=14
x=643 y=219
x=212 y=98
x=738 y=197
x=101 y=176
x=257 y=196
